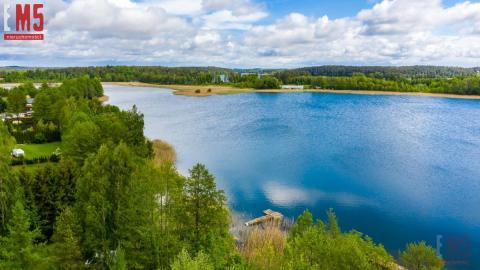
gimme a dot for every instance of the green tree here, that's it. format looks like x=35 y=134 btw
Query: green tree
x=206 y=216
x=66 y=244
x=17 y=250
x=82 y=139
x=16 y=100
x=420 y=256
x=3 y=105
x=304 y=222
x=184 y=262
x=117 y=204
x=8 y=183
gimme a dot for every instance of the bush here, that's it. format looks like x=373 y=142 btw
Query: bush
x=420 y=256
x=39 y=138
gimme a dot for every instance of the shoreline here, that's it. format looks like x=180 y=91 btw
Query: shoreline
x=210 y=90
x=190 y=90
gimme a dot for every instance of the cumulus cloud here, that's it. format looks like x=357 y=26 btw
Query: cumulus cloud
x=234 y=34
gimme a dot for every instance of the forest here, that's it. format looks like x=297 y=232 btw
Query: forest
x=110 y=202
x=428 y=79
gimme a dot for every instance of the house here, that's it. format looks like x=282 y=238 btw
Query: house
x=18 y=153
x=224 y=78
x=293 y=87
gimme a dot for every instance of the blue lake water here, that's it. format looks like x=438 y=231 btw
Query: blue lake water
x=397 y=168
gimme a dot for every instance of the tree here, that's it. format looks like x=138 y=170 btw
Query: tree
x=66 y=244
x=333 y=227
x=206 y=219
x=82 y=139
x=17 y=250
x=8 y=183
x=3 y=105
x=117 y=205
x=420 y=256
x=184 y=262
x=52 y=189
x=304 y=221
x=16 y=100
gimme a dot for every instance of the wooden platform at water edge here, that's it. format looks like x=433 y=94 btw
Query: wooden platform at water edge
x=270 y=216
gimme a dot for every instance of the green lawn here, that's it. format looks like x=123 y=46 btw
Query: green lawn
x=39 y=150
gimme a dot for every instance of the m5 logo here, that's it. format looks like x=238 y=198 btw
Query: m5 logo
x=28 y=18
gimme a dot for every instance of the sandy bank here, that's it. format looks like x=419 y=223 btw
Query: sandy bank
x=208 y=90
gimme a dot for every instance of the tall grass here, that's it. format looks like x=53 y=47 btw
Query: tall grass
x=164 y=152
x=263 y=248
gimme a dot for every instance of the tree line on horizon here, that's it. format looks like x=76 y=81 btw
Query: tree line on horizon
x=430 y=79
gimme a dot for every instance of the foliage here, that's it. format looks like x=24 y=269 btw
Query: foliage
x=18 y=251
x=185 y=262
x=323 y=246
x=16 y=100
x=66 y=248
x=206 y=218
x=3 y=105
x=420 y=256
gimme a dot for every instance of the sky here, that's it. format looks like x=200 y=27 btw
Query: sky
x=251 y=33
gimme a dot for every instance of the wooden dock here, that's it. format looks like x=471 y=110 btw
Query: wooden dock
x=270 y=216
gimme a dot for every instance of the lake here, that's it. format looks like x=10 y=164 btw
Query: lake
x=397 y=168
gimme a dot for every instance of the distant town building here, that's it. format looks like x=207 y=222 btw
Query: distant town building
x=295 y=87
x=224 y=78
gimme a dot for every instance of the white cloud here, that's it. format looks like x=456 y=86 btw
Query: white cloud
x=233 y=33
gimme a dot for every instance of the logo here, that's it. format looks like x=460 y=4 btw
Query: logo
x=455 y=250
x=23 y=20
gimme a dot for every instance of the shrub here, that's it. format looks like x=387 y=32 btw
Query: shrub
x=39 y=138
x=420 y=256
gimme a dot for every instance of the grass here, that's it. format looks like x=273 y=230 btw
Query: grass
x=39 y=150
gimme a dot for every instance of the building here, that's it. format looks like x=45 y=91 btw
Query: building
x=224 y=78
x=293 y=87
x=18 y=153
x=29 y=105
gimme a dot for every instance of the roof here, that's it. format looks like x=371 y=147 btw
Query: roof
x=18 y=152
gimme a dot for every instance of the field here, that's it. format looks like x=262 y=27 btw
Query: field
x=39 y=150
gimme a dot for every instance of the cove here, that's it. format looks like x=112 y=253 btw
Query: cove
x=397 y=168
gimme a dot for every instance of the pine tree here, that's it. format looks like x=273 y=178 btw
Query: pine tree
x=206 y=215
x=66 y=245
x=304 y=221
x=17 y=250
